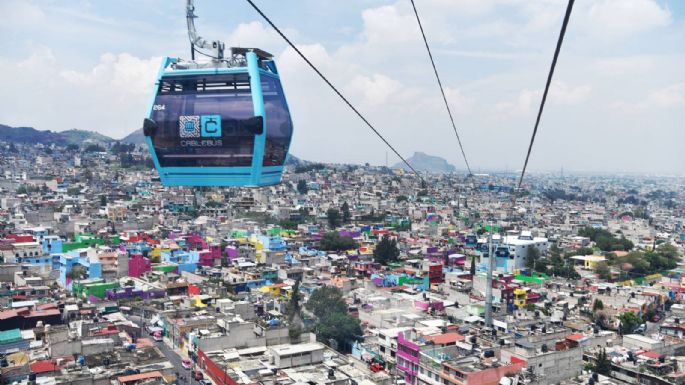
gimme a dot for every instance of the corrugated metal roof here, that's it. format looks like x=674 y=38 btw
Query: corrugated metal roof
x=9 y=336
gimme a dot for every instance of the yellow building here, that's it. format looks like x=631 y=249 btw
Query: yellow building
x=590 y=262
x=520 y=298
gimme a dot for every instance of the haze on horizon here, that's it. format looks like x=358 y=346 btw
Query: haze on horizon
x=617 y=102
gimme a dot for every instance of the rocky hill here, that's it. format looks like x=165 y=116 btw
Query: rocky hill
x=427 y=163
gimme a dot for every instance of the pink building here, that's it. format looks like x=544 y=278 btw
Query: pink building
x=138 y=265
x=408 y=359
x=209 y=255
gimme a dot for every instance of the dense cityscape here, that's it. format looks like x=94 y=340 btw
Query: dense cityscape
x=341 y=274
x=386 y=192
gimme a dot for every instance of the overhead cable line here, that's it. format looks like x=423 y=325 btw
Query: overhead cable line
x=442 y=91
x=297 y=50
x=569 y=8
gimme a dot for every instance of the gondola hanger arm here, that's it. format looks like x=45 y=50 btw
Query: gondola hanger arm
x=197 y=41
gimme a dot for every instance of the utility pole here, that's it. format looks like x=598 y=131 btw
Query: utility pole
x=488 y=283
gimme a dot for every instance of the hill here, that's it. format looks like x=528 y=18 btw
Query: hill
x=136 y=137
x=63 y=138
x=427 y=163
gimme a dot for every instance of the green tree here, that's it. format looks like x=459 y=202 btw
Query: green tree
x=73 y=191
x=332 y=241
x=597 y=305
x=602 y=363
x=629 y=322
x=402 y=198
x=294 y=307
x=333 y=216
x=103 y=200
x=602 y=270
x=473 y=266
x=346 y=215
x=585 y=251
x=302 y=186
x=294 y=311
x=341 y=327
x=326 y=300
x=94 y=148
x=386 y=251
x=533 y=258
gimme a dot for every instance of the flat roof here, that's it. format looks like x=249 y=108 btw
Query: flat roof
x=289 y=349
x=139 y=376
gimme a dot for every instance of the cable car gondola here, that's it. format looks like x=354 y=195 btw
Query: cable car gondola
x=219 y=122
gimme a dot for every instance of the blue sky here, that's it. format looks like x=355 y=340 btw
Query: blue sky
x=617 y=104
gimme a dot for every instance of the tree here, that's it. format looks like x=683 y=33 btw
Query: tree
x=597 y=305
x=332 y=241
x=533 y=258
x=103 y=200
x=602 y=363
x=302 y=186
x=340 y=327
x=333 y=218
x=294 y=307
x=602 y=270
x=585 y=251
x=326 y=300
x=629 y=322
x=346 y=216
x=73 y=191
x=386 y=251
x=473 y=266
x=402 y=198
x=294 y=314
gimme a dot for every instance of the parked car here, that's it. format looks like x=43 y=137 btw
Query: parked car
x=186 y=363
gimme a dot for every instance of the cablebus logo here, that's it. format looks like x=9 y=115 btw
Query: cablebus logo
x=199 y=126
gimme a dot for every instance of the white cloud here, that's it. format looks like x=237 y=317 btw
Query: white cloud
x=562 y=93
x=527 y=101
x=617 y=18
x=374 y=90
x=670 y=96
x=110 y=98
x=660 y=98
x=522 y=105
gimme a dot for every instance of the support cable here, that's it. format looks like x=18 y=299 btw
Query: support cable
x=569 y=8
x=323 y=77
x=442 y=91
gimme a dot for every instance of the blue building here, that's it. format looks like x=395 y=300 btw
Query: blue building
x=90 y=265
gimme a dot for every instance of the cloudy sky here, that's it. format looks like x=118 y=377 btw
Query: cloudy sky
x=617 y=103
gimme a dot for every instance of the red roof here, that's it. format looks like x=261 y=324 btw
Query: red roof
x=444 y=339
x=140 y=376
x=43 y=313
x=44 y=366
x=650 y=354
x=577 y=337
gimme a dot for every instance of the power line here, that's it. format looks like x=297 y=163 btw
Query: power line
x=442 y=91
x=569 y=8
x=290 y=43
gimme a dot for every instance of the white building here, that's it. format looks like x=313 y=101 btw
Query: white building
x=511 y=251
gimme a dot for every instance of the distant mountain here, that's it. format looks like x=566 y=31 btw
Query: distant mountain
x=428 y=163
x=136 y=137
x=79 y=136
x=31 y=135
